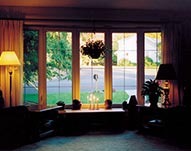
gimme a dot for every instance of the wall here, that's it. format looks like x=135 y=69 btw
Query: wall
x=115 y=18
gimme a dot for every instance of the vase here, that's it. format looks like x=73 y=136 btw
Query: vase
x=108 y=104
x=153 y=101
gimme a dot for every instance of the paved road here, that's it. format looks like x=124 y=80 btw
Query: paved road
x=89 y=84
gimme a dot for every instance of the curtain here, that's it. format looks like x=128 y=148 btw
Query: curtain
x=11 y=38
x=186 y=63
x=171 y=54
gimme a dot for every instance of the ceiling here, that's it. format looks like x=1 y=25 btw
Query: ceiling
x=172 y=5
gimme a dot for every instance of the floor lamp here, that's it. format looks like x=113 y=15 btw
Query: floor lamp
x=166 y=72
x=9 y=58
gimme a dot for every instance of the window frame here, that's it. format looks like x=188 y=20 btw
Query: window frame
x=76 y=57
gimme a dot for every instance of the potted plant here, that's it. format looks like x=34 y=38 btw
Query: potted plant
x=108 y=104
x=152 y=89
x=94 y=49
x=76 y=104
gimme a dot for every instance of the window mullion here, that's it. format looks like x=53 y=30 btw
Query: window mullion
x=140 y=65
x=42 y=67
x=108 y=68
x=75 y=65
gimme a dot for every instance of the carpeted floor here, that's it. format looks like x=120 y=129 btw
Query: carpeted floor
x=125 y=141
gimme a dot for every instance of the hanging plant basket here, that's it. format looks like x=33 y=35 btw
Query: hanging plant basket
x=94 y=55
x=94 y=49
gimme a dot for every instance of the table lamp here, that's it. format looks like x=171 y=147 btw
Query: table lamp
x=166 y=72
x=9 y=58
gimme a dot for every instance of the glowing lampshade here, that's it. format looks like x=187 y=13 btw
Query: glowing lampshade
x=9 y=58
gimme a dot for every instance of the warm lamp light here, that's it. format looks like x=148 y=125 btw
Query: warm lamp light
x=9 y=58
x=166 y=72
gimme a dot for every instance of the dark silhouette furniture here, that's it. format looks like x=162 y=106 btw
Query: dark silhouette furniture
x=14 y=126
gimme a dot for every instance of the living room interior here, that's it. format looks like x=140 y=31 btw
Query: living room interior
x=50 y=89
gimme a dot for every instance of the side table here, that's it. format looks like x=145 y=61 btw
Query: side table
x=44 y=121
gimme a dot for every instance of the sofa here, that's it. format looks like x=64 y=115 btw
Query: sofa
x=15 y=127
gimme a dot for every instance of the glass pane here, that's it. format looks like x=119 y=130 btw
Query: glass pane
x=59 y=67
x=91 y=72
x=124 y=64
x=30 y=66
x=152 y=55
